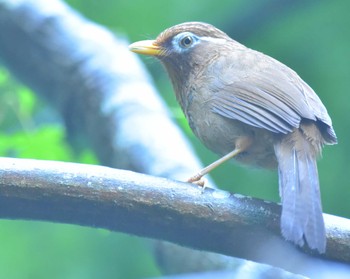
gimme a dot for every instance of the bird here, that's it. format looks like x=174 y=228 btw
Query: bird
x=249 y=107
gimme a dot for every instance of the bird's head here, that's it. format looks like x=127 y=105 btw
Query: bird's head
x=185 y=49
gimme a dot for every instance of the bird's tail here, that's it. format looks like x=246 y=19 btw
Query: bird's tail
x=302 y=217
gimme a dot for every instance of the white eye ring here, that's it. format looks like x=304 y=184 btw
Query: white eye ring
x=184 y=41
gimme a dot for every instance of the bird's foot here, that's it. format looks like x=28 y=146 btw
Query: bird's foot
x=198 y=180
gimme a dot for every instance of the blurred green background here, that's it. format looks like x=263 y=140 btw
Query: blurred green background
x=312 y=37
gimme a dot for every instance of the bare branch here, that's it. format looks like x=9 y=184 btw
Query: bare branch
x=98 y=86
x=153 y=207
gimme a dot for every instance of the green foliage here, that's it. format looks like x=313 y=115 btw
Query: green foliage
x=312 y=39
x=55 y=251
x=45 y=142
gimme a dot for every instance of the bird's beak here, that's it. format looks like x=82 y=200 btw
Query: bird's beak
x=147 y=47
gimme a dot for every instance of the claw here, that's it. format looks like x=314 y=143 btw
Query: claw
x=194 y=179
x=198 y=181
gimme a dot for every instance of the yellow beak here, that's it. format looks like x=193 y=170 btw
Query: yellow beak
x=147 y=47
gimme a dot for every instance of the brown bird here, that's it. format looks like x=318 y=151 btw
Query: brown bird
x=244 y=104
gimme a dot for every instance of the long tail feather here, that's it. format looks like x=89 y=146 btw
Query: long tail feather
x=302 y=217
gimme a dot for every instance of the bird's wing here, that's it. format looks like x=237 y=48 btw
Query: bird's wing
x=273 y=98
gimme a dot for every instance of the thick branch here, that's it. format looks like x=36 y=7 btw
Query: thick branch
x=159 y=208
x=99 y=87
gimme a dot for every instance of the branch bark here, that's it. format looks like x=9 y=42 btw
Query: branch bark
x=160 y=208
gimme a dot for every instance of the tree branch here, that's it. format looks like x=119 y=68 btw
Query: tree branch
x=153 y=207
x=101 y=89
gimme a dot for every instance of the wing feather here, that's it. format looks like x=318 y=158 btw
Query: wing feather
x=274 y=98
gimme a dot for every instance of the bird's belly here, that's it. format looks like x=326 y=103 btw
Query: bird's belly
x=215 y=132
x=219 y=134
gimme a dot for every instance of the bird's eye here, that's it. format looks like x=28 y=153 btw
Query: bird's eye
x=183 y=42
x=186 y=41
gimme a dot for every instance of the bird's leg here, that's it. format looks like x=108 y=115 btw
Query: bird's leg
x=242 y=143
